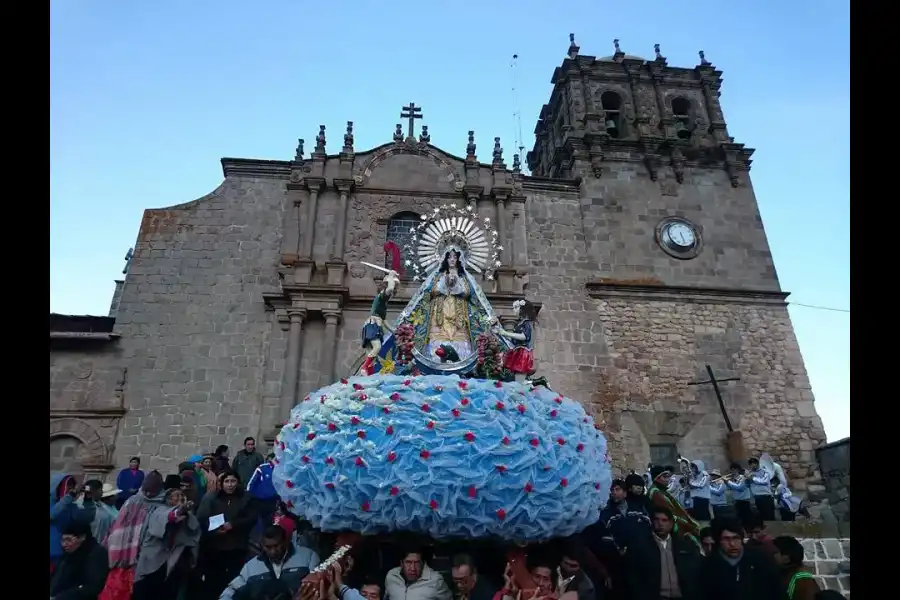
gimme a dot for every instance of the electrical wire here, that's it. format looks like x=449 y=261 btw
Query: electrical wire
x=814 y=307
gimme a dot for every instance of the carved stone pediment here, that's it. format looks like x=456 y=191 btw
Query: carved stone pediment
x=408 y=165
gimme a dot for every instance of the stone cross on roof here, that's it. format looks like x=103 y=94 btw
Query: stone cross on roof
x=411 y=112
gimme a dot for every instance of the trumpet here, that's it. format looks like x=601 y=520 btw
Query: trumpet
x=685 y=466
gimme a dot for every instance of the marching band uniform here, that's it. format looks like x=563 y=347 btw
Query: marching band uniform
x=761 y=489
x=698 y=485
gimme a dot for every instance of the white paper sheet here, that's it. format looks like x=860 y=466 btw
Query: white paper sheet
x=216 y=521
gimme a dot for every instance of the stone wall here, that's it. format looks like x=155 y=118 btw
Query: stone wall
x=829 y=560
x=834 y=462
x=203 y=353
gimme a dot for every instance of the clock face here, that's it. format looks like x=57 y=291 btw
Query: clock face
x=680 y=235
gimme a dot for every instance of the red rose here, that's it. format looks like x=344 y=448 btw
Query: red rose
x=407 y=381
x=501 y=468
x=426 y=408
x=579 y=447
x=357 y=386
x=498 y=384
x=433 y=504
x=424 y=454
x=289 y=483
x=354 y=420
x=361 y=434
x=385 y=410
x=310 y=436
x=470 y=437
x=364 y=506
x=553 y=414
x=472 y=491
x=563 y=482
x=430 y=425
x=528 y=488
x=391 y=456
x=395 y=490
x=561 y=441
x=464 y=401
x=505 y=441
x=304 y=458
x=344 y=381
x=389 y=430
x=395 y=396
x=463 y=385
x=359 y=462
x=501 y=514
x=455 y=412
x=329 y=485
x=535 y=442
x=329 y=461
x=499 y=406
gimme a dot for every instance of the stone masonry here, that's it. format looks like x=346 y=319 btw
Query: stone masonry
x=829 y=560
x=834 y=462
x=239 y=303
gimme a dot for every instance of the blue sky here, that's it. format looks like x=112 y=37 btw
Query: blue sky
x=146 y=97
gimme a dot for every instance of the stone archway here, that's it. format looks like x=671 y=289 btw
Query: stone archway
x=67 y=455
x=76 y=441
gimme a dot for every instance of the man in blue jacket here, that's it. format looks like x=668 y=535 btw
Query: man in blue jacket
x=262 y=490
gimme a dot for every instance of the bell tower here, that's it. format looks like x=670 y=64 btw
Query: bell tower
x=627 y=108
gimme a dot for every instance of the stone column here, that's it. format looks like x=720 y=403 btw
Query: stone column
x=519 y=233
x=290 y=243
x=332 y=319
x=503 y=230
x=310 y=230
x=292 y=364
x=337 y=252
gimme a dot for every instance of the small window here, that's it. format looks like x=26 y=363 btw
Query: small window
x=398 y=231
x=681 y=110
x=664 y=454
x=612 y=113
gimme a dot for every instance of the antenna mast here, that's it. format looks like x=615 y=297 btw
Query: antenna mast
x=517 y=114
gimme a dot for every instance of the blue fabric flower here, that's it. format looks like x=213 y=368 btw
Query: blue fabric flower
x=443 y=456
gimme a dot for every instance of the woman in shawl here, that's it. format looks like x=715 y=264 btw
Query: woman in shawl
x=168 y=550
x=208 y=477
x=61 y=485
x=126 y=537
x=220 y=462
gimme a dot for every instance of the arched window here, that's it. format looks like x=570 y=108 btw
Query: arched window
x=681 y=110
x=398 y=231
x=612 y=113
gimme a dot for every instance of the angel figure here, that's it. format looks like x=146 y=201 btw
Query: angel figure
x=374 y=326
x=520 y=360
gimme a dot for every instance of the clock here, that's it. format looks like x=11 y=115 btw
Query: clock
x=678 y=237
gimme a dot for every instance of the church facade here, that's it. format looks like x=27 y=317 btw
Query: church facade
x=637 y=234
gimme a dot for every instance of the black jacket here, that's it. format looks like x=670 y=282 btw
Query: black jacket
x=238 y=511
x=754 y=578
x=643 y=567
x=81 y=575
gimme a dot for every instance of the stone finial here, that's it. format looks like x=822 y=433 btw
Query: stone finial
x=703 y=61
x=298 y=155
x=348 y=138
x=659 y=55
x=470 y=147
x=320 y=140
x=517 y=164
x=616 y=45
x=498 y=152
x=398 y=133
x=424 y=137
x=573 y=47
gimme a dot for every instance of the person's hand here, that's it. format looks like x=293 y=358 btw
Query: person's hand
x=509 y=582
x=336 y=576
x=226 y=528
x=308 y=591
x=180 y=518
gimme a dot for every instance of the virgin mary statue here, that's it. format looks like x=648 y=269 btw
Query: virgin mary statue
x=450 y=310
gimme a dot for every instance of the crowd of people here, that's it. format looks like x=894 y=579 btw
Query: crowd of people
x=217 y=530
